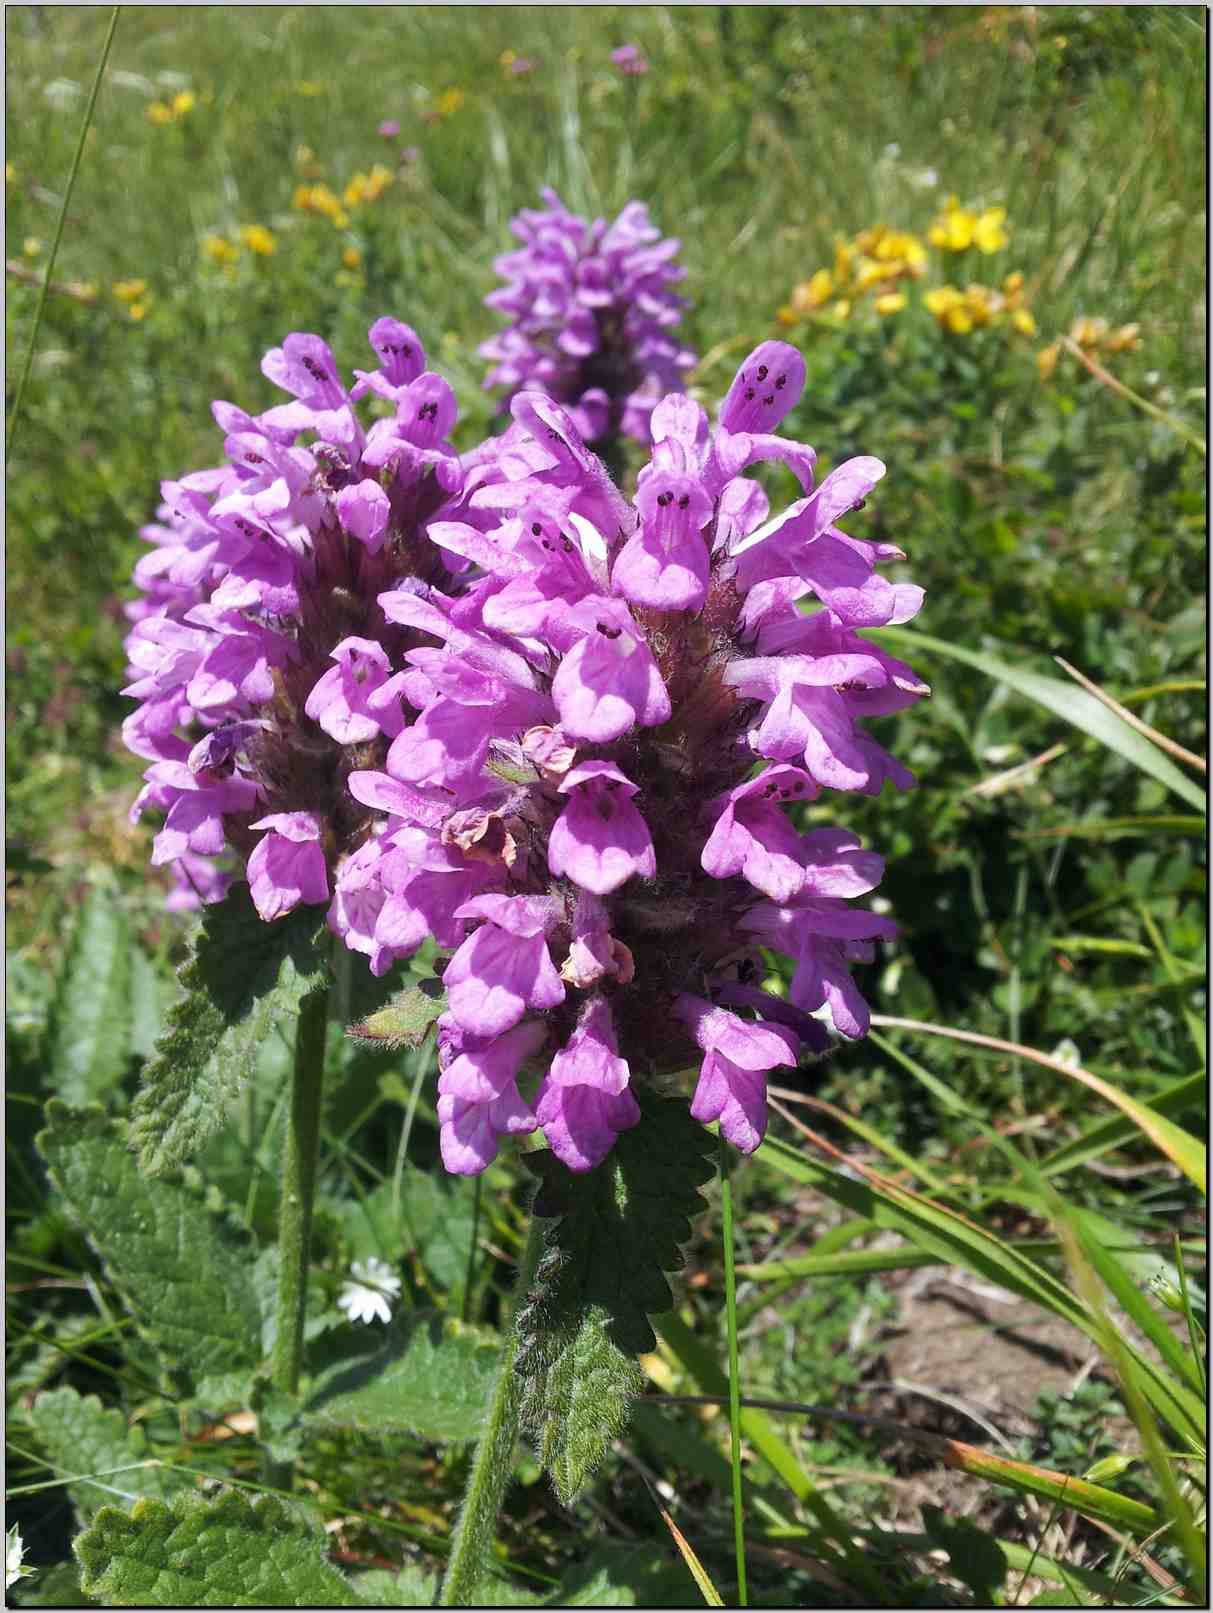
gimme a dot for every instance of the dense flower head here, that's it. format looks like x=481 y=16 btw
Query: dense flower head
x=591 y=313
x=493 y=703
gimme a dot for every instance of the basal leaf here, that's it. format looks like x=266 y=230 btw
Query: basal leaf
x=411 y=1587
x=107 y=1459
x=244 y=976
x=199 y=1552
x=89 y=1028
x=615 y=1231
x=187 y=1280
x=421 y=1376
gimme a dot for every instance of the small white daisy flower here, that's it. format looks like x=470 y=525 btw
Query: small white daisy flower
x=14 y=1551
x=369 y=1293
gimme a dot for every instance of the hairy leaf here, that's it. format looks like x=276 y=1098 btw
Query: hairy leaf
x=106 y=1459
x=243 y=976
x=615 y=1231
x=421 y=1375
x=187 y=1280
x=198 y=1552
x=413 y=1586
x=89 y=1030
x=406 y=1020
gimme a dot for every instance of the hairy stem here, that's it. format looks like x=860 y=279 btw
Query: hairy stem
x=299 y=1190
x=472 y=1546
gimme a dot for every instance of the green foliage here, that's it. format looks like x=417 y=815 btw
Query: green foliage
x=243 y=978
x=195 y=1552
x=188 y=1283
x=433 y=1220
x=424 y=1376
x=613 y=1234
x=81 y=1438
x=91 y=1019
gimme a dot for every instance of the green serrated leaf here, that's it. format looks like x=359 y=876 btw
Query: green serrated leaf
x=406 y=1020
x=244 y=976
x=615 y=1232
x=104 y=1458
x=187 y=1280
x=197 y=1552
x=89 y=1028
x=411 y=1587
x=422 y=1376
x=147 y=1005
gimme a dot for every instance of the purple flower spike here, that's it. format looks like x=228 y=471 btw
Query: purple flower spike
x=496 y=704
x=600 y=840
x=591 y=310
x=287 y=864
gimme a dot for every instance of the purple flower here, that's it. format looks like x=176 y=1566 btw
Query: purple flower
x=600 y=840
x=389 y=128
x=591 y=311
x=505 y=967
x=627 y=59
x=357 y=700
x=478 y=1098
x=732 y=1088
x=584 y=1101
x=287 y=864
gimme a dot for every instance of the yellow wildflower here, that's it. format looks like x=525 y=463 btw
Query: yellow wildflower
x=219 y=249
x=352 y=258
x=988 y=233
x=869 y=273
x=129 y=291
x=137 y=310
x=1088 y=332
x=841 y=310
x=184 y=103
x=449 y=102
x=890 y=302
x=1023 y=321
x=1046 y=360
x=844 y=257
x=159 y=113
x=1013 y=284
x=259 y=240
x=320 y=199
x=981 y=305
x=31 y=246
x=507 y=59
x=951 y=308
x=953 y=232
x=308 y=87
x=85 y=290
x=1123 y=340
x=787 y=315
x=814 y=292
x=902 y=251
x=10 y=173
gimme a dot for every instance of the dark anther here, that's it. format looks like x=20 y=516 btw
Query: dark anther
x=609 y=632
x=684 y=502
x=665 y=498
x=860 y=504
x=780 y=380
x=762 y=372
x=749 y=394
x=769 y=400
x=536 y=529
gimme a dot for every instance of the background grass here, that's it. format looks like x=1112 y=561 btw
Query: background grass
x=1044 y=517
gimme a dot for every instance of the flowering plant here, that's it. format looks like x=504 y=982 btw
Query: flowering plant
x=492 y=703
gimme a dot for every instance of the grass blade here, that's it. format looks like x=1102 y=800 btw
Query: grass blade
x=1180 y=1147
x=1075 y=706
x=85 y=125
